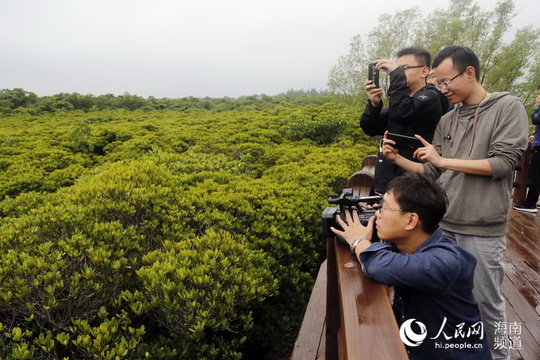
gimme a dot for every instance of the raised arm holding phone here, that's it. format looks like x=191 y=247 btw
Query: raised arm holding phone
x=414 y=106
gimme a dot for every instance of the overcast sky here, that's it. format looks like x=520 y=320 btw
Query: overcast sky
x=178 y=48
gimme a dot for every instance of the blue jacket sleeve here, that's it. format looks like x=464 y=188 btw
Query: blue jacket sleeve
x=433 y=271
x=535 y=117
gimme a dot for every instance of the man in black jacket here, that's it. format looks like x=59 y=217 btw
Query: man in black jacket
x=414 y=106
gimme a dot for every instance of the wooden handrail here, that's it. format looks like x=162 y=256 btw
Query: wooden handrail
x=360 y=324
x=367 y=328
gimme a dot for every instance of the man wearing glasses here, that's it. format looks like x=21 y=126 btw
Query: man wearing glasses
x=414 y=106
x=473 y=155
x=432 y=276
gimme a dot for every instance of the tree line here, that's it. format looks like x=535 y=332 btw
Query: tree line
x=509 y=62
x=19 y=100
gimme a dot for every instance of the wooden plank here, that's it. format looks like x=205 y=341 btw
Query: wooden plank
x=525 y=280
x=523 y=256
x=321 y=353
x=518 y=304
x=521 y=286
x=523 y=234
x=511 y=316
x=308 y=342
x=529 y=347
x=369 y=328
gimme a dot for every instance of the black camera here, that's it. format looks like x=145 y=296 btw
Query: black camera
x=373 y=74
x=347 y=201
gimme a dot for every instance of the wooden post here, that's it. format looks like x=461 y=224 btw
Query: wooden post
x=368 y=329
x=333 y=321
x=520 y=178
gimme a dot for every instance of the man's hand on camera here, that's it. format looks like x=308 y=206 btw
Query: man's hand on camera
x=374 y=93
x=354 y=229
x=373 y=206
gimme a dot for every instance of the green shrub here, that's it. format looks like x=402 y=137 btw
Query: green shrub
x=86 y=262
x=324 y=124
x=164 y=235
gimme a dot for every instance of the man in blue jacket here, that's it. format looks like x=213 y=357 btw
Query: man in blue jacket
x=414 y=107
x=534 y=166
x=433 y=277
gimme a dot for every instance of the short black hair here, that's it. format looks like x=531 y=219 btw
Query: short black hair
x=422 y=55
x=461 y=56
x=422 y=195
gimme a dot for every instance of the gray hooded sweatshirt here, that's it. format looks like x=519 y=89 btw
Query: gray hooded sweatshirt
x=496 y=130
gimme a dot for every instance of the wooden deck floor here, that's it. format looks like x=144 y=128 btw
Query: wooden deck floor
x=521 y=286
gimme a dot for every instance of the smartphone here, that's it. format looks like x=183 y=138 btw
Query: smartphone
x=405 y=143
x=373 y=74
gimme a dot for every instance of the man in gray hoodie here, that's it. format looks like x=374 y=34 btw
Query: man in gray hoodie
x=473 y=155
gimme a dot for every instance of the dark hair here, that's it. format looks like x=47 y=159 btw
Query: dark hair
x=422 y=195
x=538 y=88
x=461 y=56
x=421 y=54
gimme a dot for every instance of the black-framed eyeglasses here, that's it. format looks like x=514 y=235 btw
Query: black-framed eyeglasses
x=444 y=85
x=406 y=67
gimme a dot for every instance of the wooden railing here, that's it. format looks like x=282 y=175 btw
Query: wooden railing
x=349 y=315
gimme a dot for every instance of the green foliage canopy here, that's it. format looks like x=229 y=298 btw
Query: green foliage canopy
x=165 y=234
